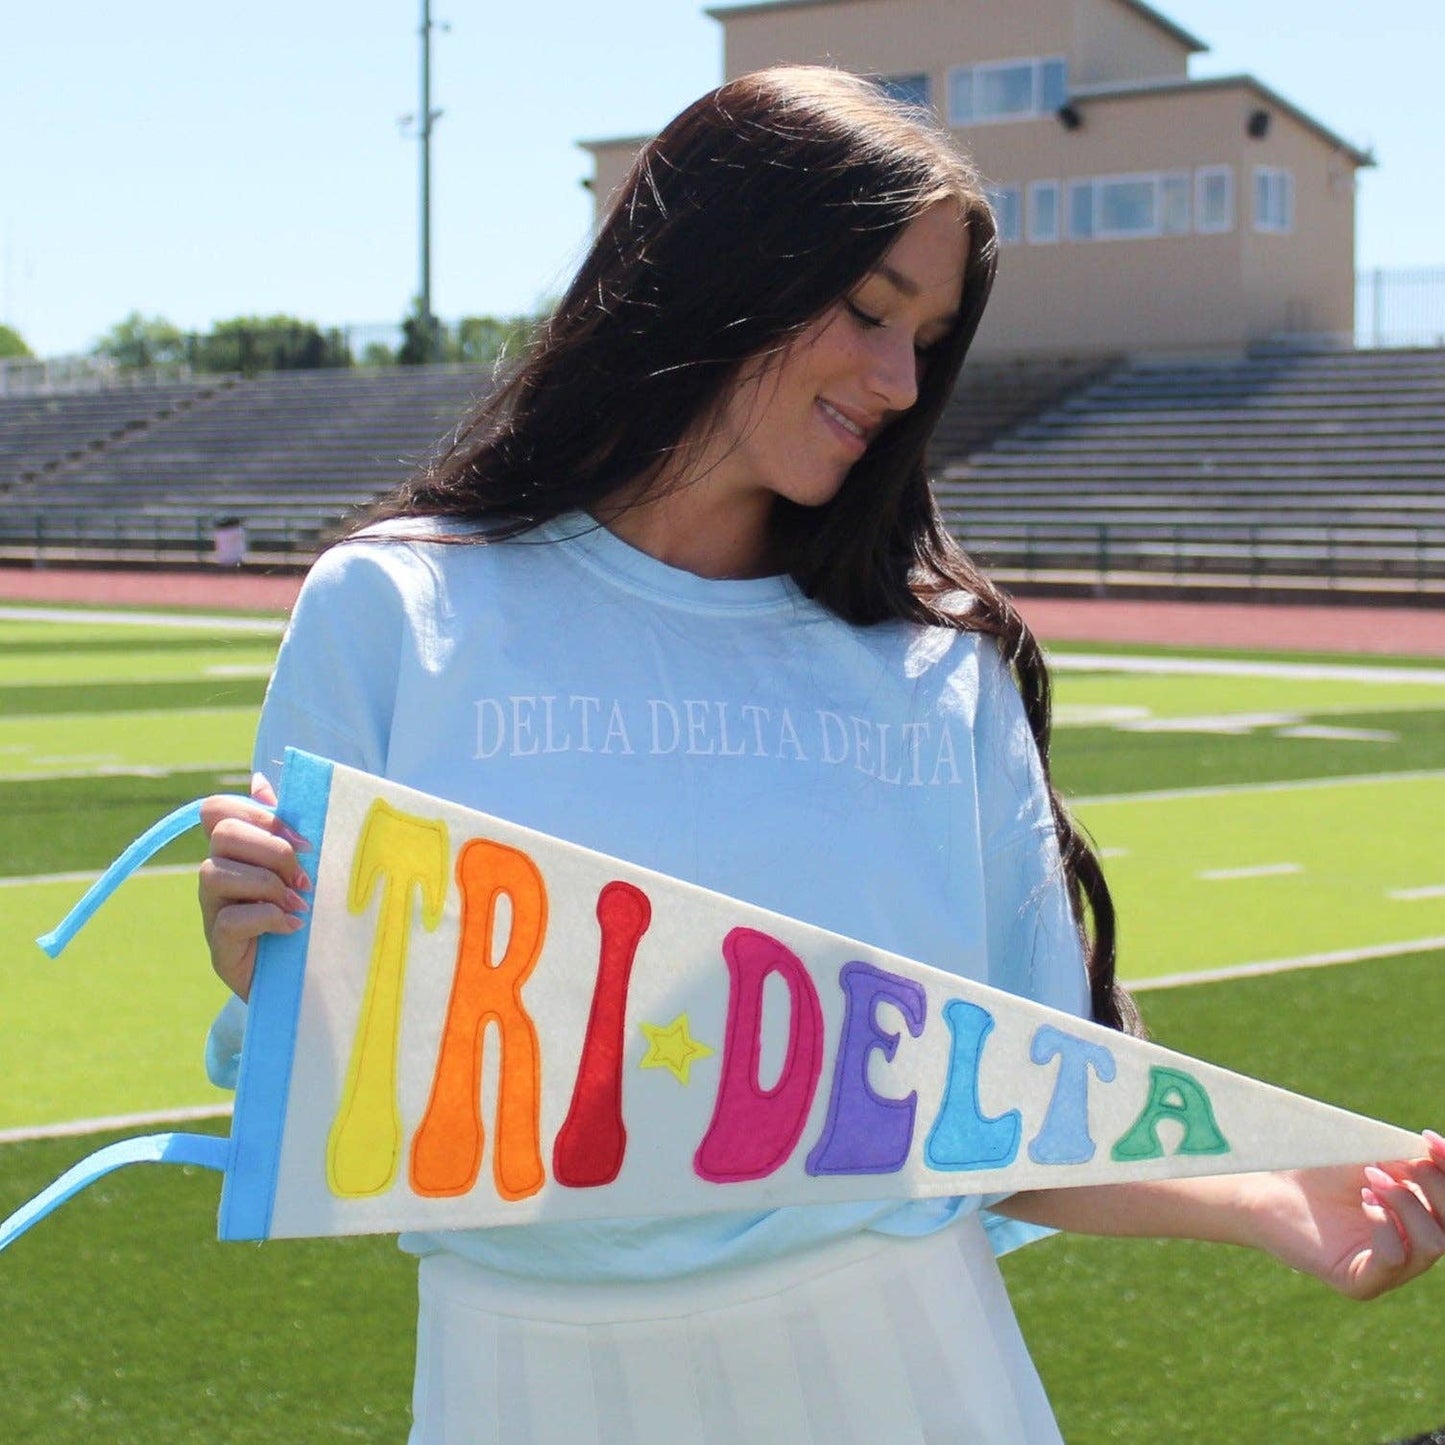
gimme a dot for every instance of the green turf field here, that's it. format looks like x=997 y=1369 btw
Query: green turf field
x=1248 y=816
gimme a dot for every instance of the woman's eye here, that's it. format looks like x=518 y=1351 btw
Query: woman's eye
x=863 y=317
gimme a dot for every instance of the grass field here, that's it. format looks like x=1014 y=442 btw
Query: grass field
x=1253 y=811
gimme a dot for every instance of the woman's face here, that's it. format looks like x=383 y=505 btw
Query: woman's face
x=795 y=426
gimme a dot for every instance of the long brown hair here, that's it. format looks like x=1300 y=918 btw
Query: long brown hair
x=741 y=223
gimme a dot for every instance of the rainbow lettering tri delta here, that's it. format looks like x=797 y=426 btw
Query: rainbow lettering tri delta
x=482 y=1025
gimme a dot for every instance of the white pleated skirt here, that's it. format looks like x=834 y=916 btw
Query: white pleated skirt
x=873 y=1340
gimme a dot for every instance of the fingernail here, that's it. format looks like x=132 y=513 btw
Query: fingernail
x=1378 y=1178
x=302 y=881
x=300 y=844
x=295 y=903
x=1435 y=1143
x=293 y=923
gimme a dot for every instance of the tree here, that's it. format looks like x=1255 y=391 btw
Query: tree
x=250 y=344
x=12 y=344
x=422 y=337
x=141 y=342
x=480 y=340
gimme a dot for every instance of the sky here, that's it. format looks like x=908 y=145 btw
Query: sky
x=198 y=161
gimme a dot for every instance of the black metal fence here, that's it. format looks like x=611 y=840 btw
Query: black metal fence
x=1394 y=559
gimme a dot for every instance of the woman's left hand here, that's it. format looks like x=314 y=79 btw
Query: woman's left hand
x=1361 y=1231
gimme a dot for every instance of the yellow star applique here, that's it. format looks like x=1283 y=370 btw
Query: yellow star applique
x=672 y=1047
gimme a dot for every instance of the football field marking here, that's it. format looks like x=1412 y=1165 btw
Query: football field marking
x=162 y=870
x=1228 y=667
x=262 y=626
x=1414 y=895
x=114 y=1121
x=1229 y=790
x=1285 y=965
x=1259 y=870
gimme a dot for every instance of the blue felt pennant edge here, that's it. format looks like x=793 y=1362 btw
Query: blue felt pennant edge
x=273 y=1013
x=209 y=1150
x=140 y=851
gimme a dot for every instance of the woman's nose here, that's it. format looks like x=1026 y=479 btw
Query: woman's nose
x=894 y=370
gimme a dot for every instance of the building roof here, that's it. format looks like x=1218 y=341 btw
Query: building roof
x=1148 y=12
x=606 y=142
x=1137 y=89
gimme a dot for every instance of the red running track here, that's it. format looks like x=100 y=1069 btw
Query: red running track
x=1293 y=627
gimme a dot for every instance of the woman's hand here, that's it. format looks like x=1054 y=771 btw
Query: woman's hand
x=251 y=884
x=1362 y=1231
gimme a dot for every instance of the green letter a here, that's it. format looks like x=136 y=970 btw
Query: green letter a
x=1175 y=1095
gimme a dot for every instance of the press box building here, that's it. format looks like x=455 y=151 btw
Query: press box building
x=1141 y=211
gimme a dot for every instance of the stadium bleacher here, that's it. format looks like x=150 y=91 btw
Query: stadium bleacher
x=1292 y=468
x=1314 y=468
x=290 y=454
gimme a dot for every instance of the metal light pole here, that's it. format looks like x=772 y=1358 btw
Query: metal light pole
x=425 y=118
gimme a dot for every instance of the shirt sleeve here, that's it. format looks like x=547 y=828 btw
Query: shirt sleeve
x=1035 y=948
x=333 y=692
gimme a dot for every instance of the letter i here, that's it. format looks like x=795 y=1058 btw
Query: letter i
x=591 y=1143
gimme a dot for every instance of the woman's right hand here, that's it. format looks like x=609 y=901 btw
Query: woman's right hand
x=251 y=884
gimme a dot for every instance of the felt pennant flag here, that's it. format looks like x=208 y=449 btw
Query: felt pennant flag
x=482 y=1025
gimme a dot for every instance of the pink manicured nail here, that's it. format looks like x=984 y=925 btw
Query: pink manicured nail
x=293 y=923
x=1378 y=1178
x=295 y=903
x=1435 y=1143
x=302 y=882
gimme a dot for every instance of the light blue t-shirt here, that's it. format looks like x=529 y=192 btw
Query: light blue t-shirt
x=877 y=781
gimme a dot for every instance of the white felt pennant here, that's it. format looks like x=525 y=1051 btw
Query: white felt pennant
x=482 y=1025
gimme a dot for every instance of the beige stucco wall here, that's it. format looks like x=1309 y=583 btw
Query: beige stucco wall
x=1102 y=40
x=1190 y=293
x=888 y=37
x=1301 y=283
x=1114 y=42
x=611 y=160
x=1174 y=293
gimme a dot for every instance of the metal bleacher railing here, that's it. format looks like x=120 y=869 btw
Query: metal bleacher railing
x=1400 y=307
x=1287 y=469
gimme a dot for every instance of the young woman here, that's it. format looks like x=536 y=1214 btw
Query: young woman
x=678 y=591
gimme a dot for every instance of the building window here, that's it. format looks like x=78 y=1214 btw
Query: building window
x=1273 y=199
x=1214 y=199
x=1126 y=206
x=1081 y=210
x=1007 y=204
x=1174 y=210
x=1043 y=212
x=906 y=89
x=1010 y=90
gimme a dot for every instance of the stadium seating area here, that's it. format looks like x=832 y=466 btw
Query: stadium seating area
x=290 y=454
x=1276 y=468
x=1327 y=467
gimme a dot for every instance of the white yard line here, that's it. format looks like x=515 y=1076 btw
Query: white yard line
x=97 y=680
x=115 y=1121
x=1259 y=870
x=1230 y=790
x=1415 y=895
x=163 y=870
x=125 y=770
x=1285 y=965
x=1221 y=667
x=264 y=626
x=1326 y=733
